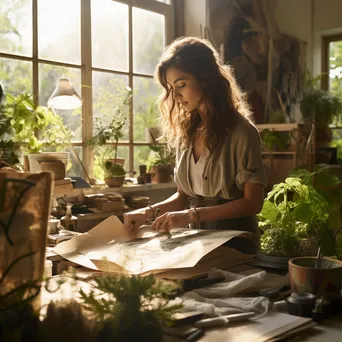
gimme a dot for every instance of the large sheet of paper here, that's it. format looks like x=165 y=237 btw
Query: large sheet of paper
x=108 y=247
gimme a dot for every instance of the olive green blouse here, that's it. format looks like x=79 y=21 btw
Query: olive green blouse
x=226 y=170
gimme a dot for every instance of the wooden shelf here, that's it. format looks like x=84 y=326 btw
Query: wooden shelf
x=281 y=127
x=278 y=164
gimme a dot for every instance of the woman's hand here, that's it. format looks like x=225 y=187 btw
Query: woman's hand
x=173 y=219
x=134 y=219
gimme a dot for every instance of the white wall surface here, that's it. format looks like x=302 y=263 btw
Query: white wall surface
x=294 y=17
x=194 y=17
x=327 y=15
x=327 y=21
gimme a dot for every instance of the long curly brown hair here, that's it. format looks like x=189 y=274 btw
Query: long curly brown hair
x=222 y=104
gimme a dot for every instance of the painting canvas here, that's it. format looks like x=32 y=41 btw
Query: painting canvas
x=268 y=65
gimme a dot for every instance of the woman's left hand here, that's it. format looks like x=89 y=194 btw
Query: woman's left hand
x=173 y=219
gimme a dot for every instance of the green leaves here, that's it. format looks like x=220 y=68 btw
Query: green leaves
x=294 y=209
x=31 y=127
x=137 y=298
x=112 y=131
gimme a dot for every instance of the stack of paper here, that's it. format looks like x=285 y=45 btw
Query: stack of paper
x=109 y=247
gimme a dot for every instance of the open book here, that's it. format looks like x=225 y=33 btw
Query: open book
x=109 y=247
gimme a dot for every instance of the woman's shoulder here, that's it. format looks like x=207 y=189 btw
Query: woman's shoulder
x=243 y=128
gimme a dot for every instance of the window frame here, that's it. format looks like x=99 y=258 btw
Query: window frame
x=326 y=40
x=87 y=69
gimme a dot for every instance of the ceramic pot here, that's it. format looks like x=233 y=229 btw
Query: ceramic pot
x=161 y=173
x=324 y=280
x=115 y=181
x=36 y=159
x=278 y=262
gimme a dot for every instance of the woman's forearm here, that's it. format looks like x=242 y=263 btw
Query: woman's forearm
x=178 y=201
x=237 y=208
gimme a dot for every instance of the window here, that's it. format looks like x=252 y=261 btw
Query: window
x=332 y=79
x=102 y=46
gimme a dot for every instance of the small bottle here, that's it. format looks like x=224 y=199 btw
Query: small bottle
x=69 y=221
x=142 y=172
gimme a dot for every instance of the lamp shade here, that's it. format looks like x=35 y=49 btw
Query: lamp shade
x=64 y=96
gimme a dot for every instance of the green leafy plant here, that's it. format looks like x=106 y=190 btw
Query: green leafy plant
x=292 y=211
x=277 y=116
x=329 y=186
x=275 y=141
x=30 y=128
x=112 y=132
x=130 y=308
x=161 y=155
x=319 y=105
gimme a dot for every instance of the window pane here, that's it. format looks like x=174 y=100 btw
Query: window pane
x=109 y=93
x=148 y=40
x=16 y=27
x=48 y=77
x=102 y=153
x=335 y=66
x=337 y=142
x=59 y=30
x=16 y=75
x=145 y=107
x=109 y=24
x=141 y=156
x=74 y=167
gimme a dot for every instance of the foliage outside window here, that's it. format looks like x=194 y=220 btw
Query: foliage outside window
x=333 y=69
x=33 y=64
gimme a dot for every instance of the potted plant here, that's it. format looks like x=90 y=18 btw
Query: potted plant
x=27 y=129
x=130 y=308
x=320 y=106
x=160 y=163
x=294 y=215
x=275 y=141
x=114 y=172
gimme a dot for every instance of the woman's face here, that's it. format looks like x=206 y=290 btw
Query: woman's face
x=186 y=89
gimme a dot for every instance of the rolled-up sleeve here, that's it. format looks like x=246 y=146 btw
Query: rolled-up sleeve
x=248 y=157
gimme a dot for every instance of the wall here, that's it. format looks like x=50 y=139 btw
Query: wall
x=327 y=21
x=294 y=17
x=194 y=17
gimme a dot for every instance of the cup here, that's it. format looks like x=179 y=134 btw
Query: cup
x=53 y=226
x=324 y=280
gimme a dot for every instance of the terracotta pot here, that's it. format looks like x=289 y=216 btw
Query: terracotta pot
x=161 y=173
x=322 y=281
x=114 y=181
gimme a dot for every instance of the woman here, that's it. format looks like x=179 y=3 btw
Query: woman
x=219 y=172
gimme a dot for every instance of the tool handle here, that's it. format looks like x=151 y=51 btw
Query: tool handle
x=212 y=322
x=240 y=316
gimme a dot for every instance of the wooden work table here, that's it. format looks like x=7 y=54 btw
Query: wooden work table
x=330 y=330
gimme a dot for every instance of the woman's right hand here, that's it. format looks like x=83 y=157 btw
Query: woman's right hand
x=134 y=219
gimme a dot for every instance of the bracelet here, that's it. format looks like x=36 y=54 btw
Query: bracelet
x=198 y=221
x=153 y=212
